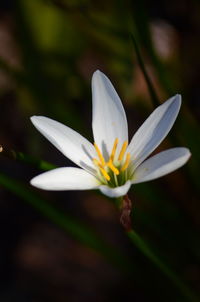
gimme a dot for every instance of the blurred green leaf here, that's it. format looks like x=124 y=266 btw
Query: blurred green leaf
x=150 y=86
x=141 y=21
x=70 y=225
x=144 y=248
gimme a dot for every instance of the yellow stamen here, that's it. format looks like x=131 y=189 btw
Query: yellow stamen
x=105 y=174
x=127 y=161
x=123 y=149
x=99 y=155
x=97 y=162
x=114 y=149
x=113 y=168
x=103 y=171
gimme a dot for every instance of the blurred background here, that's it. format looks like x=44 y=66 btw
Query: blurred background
x=69 y=246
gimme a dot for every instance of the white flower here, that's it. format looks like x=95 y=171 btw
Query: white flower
x=111 y=164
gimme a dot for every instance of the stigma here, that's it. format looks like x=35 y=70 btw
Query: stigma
x=116 y=165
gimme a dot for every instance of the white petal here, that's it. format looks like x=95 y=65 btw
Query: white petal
x=161 y=164
x=116 y=192
x=154 y=130
x=109 y=118
x=65 y=179
x=69 y=142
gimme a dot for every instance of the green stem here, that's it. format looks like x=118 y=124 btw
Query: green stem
x=152 y=92
x=146 y=251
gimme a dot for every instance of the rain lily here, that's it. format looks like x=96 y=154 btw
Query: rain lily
x=111 y=164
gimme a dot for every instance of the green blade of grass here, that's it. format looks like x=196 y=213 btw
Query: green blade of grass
x=141 y=21
x=149 y=83
x=147 y=252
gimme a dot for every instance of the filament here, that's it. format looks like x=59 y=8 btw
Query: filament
x=113 y=168
x=99 y=155
x=114 y=149
x=123 y=149
x=105 y=174
x=127 y=161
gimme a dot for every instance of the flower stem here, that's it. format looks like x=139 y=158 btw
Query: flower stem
x=125 y=206
x=125 y=212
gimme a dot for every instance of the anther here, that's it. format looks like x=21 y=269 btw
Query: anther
x=113 y=168
x=123 y=150
x=114 y=149
x=97 y=162
x=103 y=171
x=127 y=161
x=99 y=155
x=105 y=174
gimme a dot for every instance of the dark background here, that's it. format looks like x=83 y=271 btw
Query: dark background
x=49 y=50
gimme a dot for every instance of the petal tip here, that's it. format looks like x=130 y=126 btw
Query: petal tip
x=189 y=154
x=34 y=118
x=97 y=74
x=97 y=71
x=178 y=98
x=33 y=182
x=176 y=101
x=37 y=119
x=186 y=153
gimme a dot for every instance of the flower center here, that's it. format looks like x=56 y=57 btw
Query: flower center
x=113 y=171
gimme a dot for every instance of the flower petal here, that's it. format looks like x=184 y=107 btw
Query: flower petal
x=65 y=179
x=109 y=118
x=161 y=164
x=116 y=192
x=154 y=130
x=69 y=142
